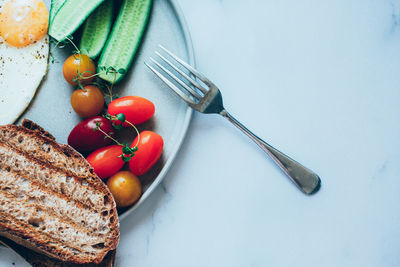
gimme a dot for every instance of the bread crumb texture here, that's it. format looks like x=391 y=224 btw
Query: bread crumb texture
x=50 y=198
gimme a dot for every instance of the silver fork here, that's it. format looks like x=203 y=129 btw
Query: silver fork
x=209 y=100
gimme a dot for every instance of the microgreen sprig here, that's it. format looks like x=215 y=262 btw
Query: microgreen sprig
x=97 y=128
x=109 y=70
x=59 y=44
x=127 y=152
x=81 y=76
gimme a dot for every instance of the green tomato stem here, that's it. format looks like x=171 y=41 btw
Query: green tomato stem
x=106 y=134
x=137 y=131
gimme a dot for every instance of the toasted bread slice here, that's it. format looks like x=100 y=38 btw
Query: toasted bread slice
x=51 y=200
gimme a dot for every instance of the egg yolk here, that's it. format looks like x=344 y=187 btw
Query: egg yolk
x=23 y=22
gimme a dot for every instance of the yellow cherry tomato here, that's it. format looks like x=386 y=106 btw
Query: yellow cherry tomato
x=88 y=101
x=79 y=67
x=125 y=187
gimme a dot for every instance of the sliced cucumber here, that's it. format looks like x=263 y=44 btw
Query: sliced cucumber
x=70 y=16
x=96 y=29
x=124 y=39
x=55 y=6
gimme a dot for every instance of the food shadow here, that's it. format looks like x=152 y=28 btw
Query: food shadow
x=126 y=135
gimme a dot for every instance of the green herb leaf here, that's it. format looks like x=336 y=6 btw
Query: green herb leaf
x=126 y=158
x=117 y=127
x=126 y=150
x=121 y=117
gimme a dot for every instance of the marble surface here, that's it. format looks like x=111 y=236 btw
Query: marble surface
x=321 y=81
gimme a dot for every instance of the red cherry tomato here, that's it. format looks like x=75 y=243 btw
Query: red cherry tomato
x=84 y=139
x=135 y=108
x=106 y=161
x=149 y=151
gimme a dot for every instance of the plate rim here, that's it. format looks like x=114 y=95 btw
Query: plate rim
x=188 y=116
x=187 y=120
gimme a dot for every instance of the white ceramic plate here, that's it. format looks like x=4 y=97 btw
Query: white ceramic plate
x=52 y=110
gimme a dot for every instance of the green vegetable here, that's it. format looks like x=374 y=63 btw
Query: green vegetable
x=55 y=6
x=70 y=16
x=96 y=29
x=125 y=38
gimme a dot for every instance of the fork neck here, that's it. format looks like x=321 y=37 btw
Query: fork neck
x=224 y=113
x=229 y=117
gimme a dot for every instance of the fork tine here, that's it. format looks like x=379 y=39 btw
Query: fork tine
x=187 y=77
x=190 y=68
x=184 y=85
x=171 y=85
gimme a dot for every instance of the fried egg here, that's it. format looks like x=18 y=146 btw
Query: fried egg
x=24 y=51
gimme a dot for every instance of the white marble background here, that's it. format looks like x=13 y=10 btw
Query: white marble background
x=318 y=79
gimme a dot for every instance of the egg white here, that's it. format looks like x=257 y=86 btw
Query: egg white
x=21 y=72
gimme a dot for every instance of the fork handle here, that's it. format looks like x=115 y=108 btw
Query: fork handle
x=305 y=179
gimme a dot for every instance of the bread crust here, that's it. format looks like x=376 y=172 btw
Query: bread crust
x=81 y=172
x=39 y=260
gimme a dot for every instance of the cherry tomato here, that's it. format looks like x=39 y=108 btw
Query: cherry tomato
x=149 y=151
x=78 y=63
x=125 y=188
x=88 y=101
x=135 y=108
x=106 y=161
x=83 y=138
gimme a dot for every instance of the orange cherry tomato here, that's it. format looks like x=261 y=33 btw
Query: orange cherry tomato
x=88 y=101
x=106 y=161
x=135 y=108
x=125 y=188
x=149 y=151
x=79 y=63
